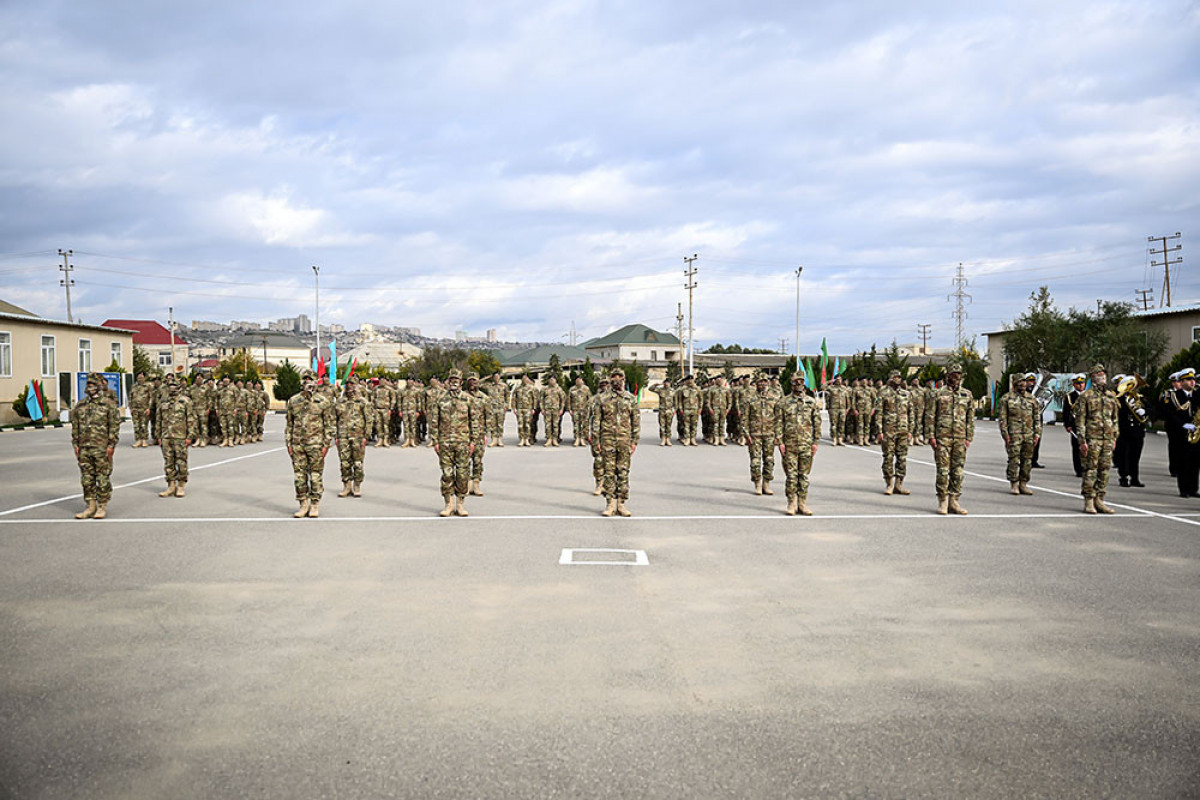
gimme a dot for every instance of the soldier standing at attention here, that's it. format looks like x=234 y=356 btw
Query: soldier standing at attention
x=309 y=430
x=616 y=426
x=718 y=404
x=917 y=398
x=688 y=401
x=353 y=419
x=893 y=422
x=552 y=402
x=834 y=401
x=95 y=430
x=410 y=405
x=156 y=392
x=524 y=400
x=950 y=420
x=261 y=409
x=454 y=428
x=139 y=410
x=1096 y=426
x=497 y=406
x=797 y=431
x=197 y=392
x=1068 y=417
x=1131 y=438
x=480 y=399
x=433 y=395
x=597 y=456
x=177 y=426
x=1182 y=406
x=383 y=401
x=1174 y=406
x=578 y=400
x=226 y=411
x=760 y=435
x=1020 y=416
x=666 y=410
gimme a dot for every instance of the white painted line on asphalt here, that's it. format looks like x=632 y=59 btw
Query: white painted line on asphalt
x=1076 y=495
x=138 y=482
x=568 y=557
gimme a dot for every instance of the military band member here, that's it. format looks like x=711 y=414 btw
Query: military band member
x=177 y=429
x=1169 y=408
x=1020 y=416
x=893 y=421
x=1131 y=438
x=456 y=429
x=760 y=435
x=797 y=431
x=1183 y=404
x=309 y=429
x=616 y=425
x=950 y=420
x=95 y=430
x=1078 y=383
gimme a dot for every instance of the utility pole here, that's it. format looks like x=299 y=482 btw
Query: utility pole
x=679 y=333
x=171 y=325
x=67 y=281
x=264 y=341
x=690 y=272
x=798 y=271
x=1146 y=298
x=783 y=343
x=960 y=312
x=923 y=332
x=317 y=284
x=1165 y=263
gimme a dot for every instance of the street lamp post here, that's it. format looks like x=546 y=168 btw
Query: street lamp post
x=317 y=285
x=798 y=271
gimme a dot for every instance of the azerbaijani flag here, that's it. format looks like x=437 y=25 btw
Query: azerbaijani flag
x=837 y=365
x=333 y=361
x=34 y=403
x=824 y=360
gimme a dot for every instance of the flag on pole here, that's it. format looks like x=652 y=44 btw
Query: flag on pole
x=837 y=366
x=314 y=364
x=320 y=368
x=333 y=361
x=824 y=360
x=33 y=402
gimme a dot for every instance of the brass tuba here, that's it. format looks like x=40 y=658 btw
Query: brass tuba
x=1129 y=391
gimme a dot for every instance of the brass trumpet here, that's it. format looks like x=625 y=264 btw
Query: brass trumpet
x=1128 y=391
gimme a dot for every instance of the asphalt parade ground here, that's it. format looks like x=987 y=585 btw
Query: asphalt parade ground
x=709 y=646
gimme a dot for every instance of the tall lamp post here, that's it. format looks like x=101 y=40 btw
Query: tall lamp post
x=798 y=271
x=317 y=284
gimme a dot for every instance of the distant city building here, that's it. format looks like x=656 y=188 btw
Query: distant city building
x=274 y=347
x=155 y=339
x=206 y=326
x=461 y=336
x=333 y=328
x=407 y=331
x=491 y=335
x=303 y=324
x=244 y=325
x=298 y=324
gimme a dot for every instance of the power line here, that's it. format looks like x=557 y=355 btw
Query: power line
x=690 y=272
x=960 y=312
x=67 y=282
x=1166 y=263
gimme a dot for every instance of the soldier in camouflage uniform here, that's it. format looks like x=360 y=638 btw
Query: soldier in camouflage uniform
x=197 y=392
x=688 y=402
x=797 y=431
x=227 y=411
x=456 y=428
x=156 y=392
x=384 y=400
x=524 y=401
x=719 y=401
x=1021 y=428
x=1096 y=425
x=666 y=410
x=410 y=410
x=139 y=410
x=760 y=435
x=354 y=420
x=309 y=429
x=433 y=394
x=917 y=395
x=95 y=430
x=578 y=401
x=950 y=420
x=473 y=390
x=892 y=425
x=597 y=456
x=616 y=425
x=177 y=426
x=835 y=401
x=552 y=402
x=262 y=406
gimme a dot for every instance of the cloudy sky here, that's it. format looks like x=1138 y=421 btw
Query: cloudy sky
x=528 y=165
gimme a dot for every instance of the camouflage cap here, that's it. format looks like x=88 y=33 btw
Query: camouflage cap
x=894 y=374
x=472 y=376
x=954 y=367
x=94 y=377
x=616 y=372
x=761 y=376
x=1096 y=368
x=454 y=373
x=307 y=375
x=797 y=378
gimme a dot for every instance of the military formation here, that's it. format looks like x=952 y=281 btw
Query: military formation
x=461 y=419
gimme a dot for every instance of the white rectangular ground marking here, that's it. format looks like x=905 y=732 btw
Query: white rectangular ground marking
x=639 y=557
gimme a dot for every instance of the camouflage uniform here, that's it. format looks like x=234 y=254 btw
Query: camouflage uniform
x=666 y=410
x=917 y=395
x=433 y=394
x=139 y=410
x=797 y=429
x=594 y=442
x=410 y=410
x=617 y=425
x=456 y=428
x=481 y=399
x=552 y=401
x=309 y=429
x=384 y=400
x=950 y=421
x=688 y=402
x=760 y=436
x=177 y=426
x=1096 y=425
x=894 y=421
x=156 y=392
x=719 y=402
x=354 y=421
x=579 y=399
x=497 y=394
x=1020 y=416
x=862 y=402
x=524 y=400
x=227 y=411
x=835 y=399
x=261 y=407
x=95 y=430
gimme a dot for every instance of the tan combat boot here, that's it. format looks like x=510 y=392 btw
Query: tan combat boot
x=475 y=490
x=449 y=509
x=201 y=443
x=101 y=509
x=345 y=492
x=891 y=486
x=791 y=509
x=1023 y=488
x=662 y=442
x=379 y=442
x=802 y=507
x=1089 y=505
x=758 y=487
x=169 y=491
x=460 y=506
x=766 y=486
x=942 y=504
x=899 y=487
x=499 y=441
x=314 y=509
x=610 y=509
x=303 y=512
x=622 y=510
x=599 y=490
x=88 y=512
x=549 y=443
x=1013 y=488
x=356 y=488
x=1100 y=505
x=955 y=507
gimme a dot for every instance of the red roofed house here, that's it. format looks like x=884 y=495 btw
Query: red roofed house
x=156 y=341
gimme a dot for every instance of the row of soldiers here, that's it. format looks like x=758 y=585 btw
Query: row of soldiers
x=227 y=413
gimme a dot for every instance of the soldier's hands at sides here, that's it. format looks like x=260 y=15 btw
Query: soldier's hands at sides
x=1036 y=439
x=814 y=448
x=471 y=448
x=187 y=442
x=108 y=453
x=933 y=442
x=289 y=451
x=1083 y=448
x=632 y=449
x=879 y=439
x=1007 y=440
x=324 y=450
x=782 y=449
x=77 y=452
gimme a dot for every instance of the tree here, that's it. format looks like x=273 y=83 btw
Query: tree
x=727 y=370
x=554 y=370
x=789 y=369
x=1041 y=337
x=892 y=360
x=143 y=365
x=737 y=349
x=287 y=381
x=240 y=366
x=635 y=375
x=675 y=371
x=485 y=363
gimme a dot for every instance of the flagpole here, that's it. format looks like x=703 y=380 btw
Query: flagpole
x=798 y=271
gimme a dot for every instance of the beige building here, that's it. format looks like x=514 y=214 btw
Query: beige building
x=635 y=343
x=273 y=347
x=32 y=348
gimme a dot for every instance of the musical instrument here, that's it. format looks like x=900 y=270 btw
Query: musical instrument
x=1129 y=392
